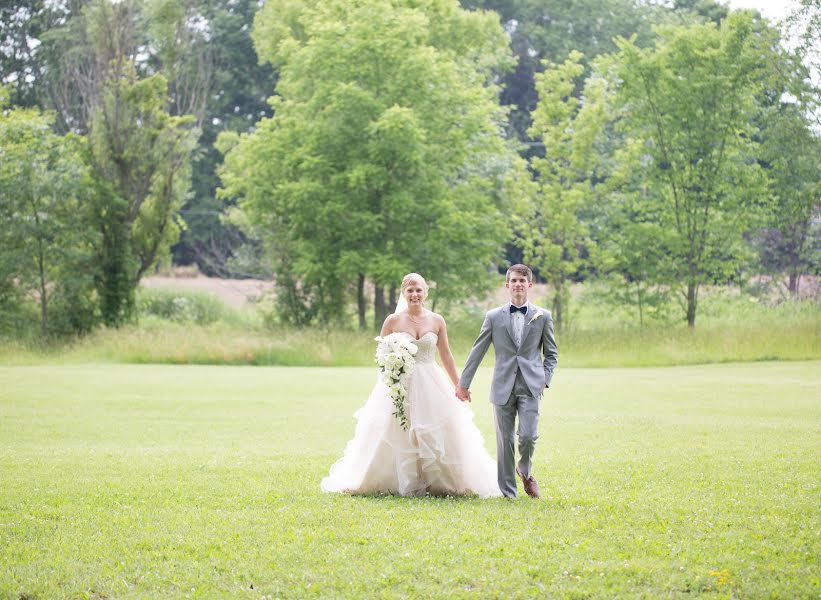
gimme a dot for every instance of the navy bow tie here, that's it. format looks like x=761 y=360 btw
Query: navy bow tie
x=521 y=309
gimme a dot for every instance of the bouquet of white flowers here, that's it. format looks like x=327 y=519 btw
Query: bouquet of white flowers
x=394 y=355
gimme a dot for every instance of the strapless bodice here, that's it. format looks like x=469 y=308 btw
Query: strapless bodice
x=426 y=347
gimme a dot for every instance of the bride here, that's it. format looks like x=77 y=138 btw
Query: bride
x=442 y=451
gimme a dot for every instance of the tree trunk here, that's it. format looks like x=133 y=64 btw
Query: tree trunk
x=43 y=297
x=795 y=281
x=692 y=300
x=360 y=301
x=115 y=279
x=379 y=311
x=41 y=267
x=641 y=307
x=557 y=309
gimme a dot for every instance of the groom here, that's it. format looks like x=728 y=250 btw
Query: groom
x=521 y=334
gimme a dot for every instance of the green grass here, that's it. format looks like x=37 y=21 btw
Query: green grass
x=164 y=481
x=183 y=327
x=188 y=306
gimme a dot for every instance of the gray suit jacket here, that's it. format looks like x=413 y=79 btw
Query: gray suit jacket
x=536 y=357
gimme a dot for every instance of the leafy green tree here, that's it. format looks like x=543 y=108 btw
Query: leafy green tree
x=141 y=158
x=72 y=42
x=549 y=30
x=631 y=243
x=179 y=33
x=24 y=57
x=46 y=239
x=551 y=230
x=689 y=102
x=709 y=10
x=384 y=155
x=240 y=87
x=632 y=258
x=202 y=47
x=139 y=152
x=792 y=152
x=803 y=28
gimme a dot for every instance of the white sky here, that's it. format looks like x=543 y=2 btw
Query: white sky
x=775 y=10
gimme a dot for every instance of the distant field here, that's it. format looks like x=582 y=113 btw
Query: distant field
x=234 y=292
x=202 y=325
x=127 y=481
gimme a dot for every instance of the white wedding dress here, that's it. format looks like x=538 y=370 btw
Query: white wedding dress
x=442 y=452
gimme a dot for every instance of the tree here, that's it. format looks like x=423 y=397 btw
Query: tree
x=72 y=42
x=180 y=36
x=690 y=102
x=24 y=26
x=803 y=26
x=141 y=159
x=631 y=242
x=203 y=49
x=632 y=255
x=47 y=240
x=140 y=154
x=549 y=30
x=709 y=10
x=385 y=153
x=554 y=237
x=792 y=152
x=240 y=87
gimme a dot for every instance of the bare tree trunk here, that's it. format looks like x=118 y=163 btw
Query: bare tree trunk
x=360 y=301
x=641 y=307
x=379 y=311
x=43 y=297
x=392 y=297
x=557 y=309
x=795 y=282
x=692 y=301
x=41 y=267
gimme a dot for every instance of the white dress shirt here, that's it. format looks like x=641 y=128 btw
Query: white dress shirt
x=518 y=326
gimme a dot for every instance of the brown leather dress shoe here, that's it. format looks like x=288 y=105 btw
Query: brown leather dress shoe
x=530 y=485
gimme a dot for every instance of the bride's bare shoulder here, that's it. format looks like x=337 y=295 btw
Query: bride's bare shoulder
x=390 y=321
x=438 y=319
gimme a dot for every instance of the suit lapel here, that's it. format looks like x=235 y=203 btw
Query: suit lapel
x=531 y=310
x=508 y=324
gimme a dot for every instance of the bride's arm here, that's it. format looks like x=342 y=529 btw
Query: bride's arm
x=444 y=352
x=387 y=326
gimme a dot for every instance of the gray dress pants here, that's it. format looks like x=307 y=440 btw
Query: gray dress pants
x=523 y=404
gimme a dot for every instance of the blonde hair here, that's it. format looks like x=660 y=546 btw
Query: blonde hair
x=410 y=277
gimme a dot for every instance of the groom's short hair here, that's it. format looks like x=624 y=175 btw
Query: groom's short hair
x=521 y=270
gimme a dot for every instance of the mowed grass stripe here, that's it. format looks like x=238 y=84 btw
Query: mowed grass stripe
x=163 y=481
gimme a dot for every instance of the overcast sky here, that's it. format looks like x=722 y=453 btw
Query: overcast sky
x=772 y=9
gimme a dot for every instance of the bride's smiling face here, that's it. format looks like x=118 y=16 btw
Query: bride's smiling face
x=415 y=293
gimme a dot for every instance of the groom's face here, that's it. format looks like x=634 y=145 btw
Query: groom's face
x=517 y=286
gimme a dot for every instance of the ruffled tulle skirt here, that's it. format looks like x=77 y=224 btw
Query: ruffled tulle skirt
x=442 y=452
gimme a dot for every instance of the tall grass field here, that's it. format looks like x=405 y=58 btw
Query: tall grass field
x=162 y=481
x=176 y=326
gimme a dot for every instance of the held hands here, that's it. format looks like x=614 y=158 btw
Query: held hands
x=462 y=393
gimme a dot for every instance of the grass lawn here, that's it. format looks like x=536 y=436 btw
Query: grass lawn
x=192 y=481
